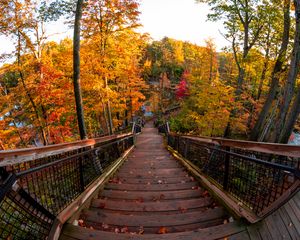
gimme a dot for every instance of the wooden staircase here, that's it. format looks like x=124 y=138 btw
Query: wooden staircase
x=153 y=197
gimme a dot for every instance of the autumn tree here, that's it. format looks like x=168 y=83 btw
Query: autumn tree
x=101 y=21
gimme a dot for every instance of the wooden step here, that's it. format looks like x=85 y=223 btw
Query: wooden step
x=154 y=195
x=184 y=218
x=143 y=167
x=155 y=180
x=153 y=187
x=216 y=232
x=150 y=174
x=153 y=206
x=166 y=172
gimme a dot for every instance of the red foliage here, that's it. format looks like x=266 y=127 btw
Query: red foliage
x=182 y=88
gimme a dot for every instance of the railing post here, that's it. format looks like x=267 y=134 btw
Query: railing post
x=133 y=128
x=226 y=169
x=167 y=128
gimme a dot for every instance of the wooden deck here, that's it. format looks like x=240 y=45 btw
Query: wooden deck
x=282 y=224
x=153 y=197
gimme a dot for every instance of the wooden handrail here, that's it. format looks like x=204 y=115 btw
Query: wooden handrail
x=9 y=157
x=270 y=148
x=277 y=167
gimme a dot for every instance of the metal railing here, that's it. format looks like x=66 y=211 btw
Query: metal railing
x=34 y=192
x=258 y=180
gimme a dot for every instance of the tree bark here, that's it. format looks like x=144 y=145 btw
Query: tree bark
x=273 y=91
x=108 y=110
x=292 y=115
x=291 y=119
x=76 y=69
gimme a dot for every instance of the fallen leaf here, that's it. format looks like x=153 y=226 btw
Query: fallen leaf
x=91 y=228
x=159 y=181
x=81 y=223
x=195 y=187
x=162 y=196
x=141 y=230
x=75 y=223
x=192 y=179
x=205 y=194
x=162 y=230
x=154 y=199
x=182 y=181
x=225 y=221
x=182 y=210
x=105 y=226
x=117 y=230
x=115 y=180
x=124 y=230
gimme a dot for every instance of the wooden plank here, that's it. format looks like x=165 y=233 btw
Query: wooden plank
x=157 y=172
x=150 y=196
x=272 y=148
x=253 y=232
x=155 y=230
x=264 y=231
x=10 y=157
x=293 y=217
x=278 y=223
x=65 y=237
x=156 y=180
x=157 y=220
x=288 y=223
x=273 y=229
x=240 y=236
x=211 y=233
x=295 y=208
x=153 y=206
x=156 y=187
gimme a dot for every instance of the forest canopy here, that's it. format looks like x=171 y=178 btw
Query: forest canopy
x=249 y=90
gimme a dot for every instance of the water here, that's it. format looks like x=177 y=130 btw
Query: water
x=294 y=139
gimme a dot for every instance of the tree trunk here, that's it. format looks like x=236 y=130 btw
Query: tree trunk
x=273 y=91
x=292 y=76
x=294 y=110
x=108 y=110
x=291 y=119
x=76 y=69
x=35 y=109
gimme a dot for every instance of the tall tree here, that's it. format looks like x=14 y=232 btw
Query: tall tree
x=288 y=113
x=102 y=19
x=250 y=15
x=76 y=67
x=258 y=132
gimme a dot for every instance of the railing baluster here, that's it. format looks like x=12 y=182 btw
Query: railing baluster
x=226 y=169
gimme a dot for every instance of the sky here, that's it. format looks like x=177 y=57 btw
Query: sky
x=179 y=19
